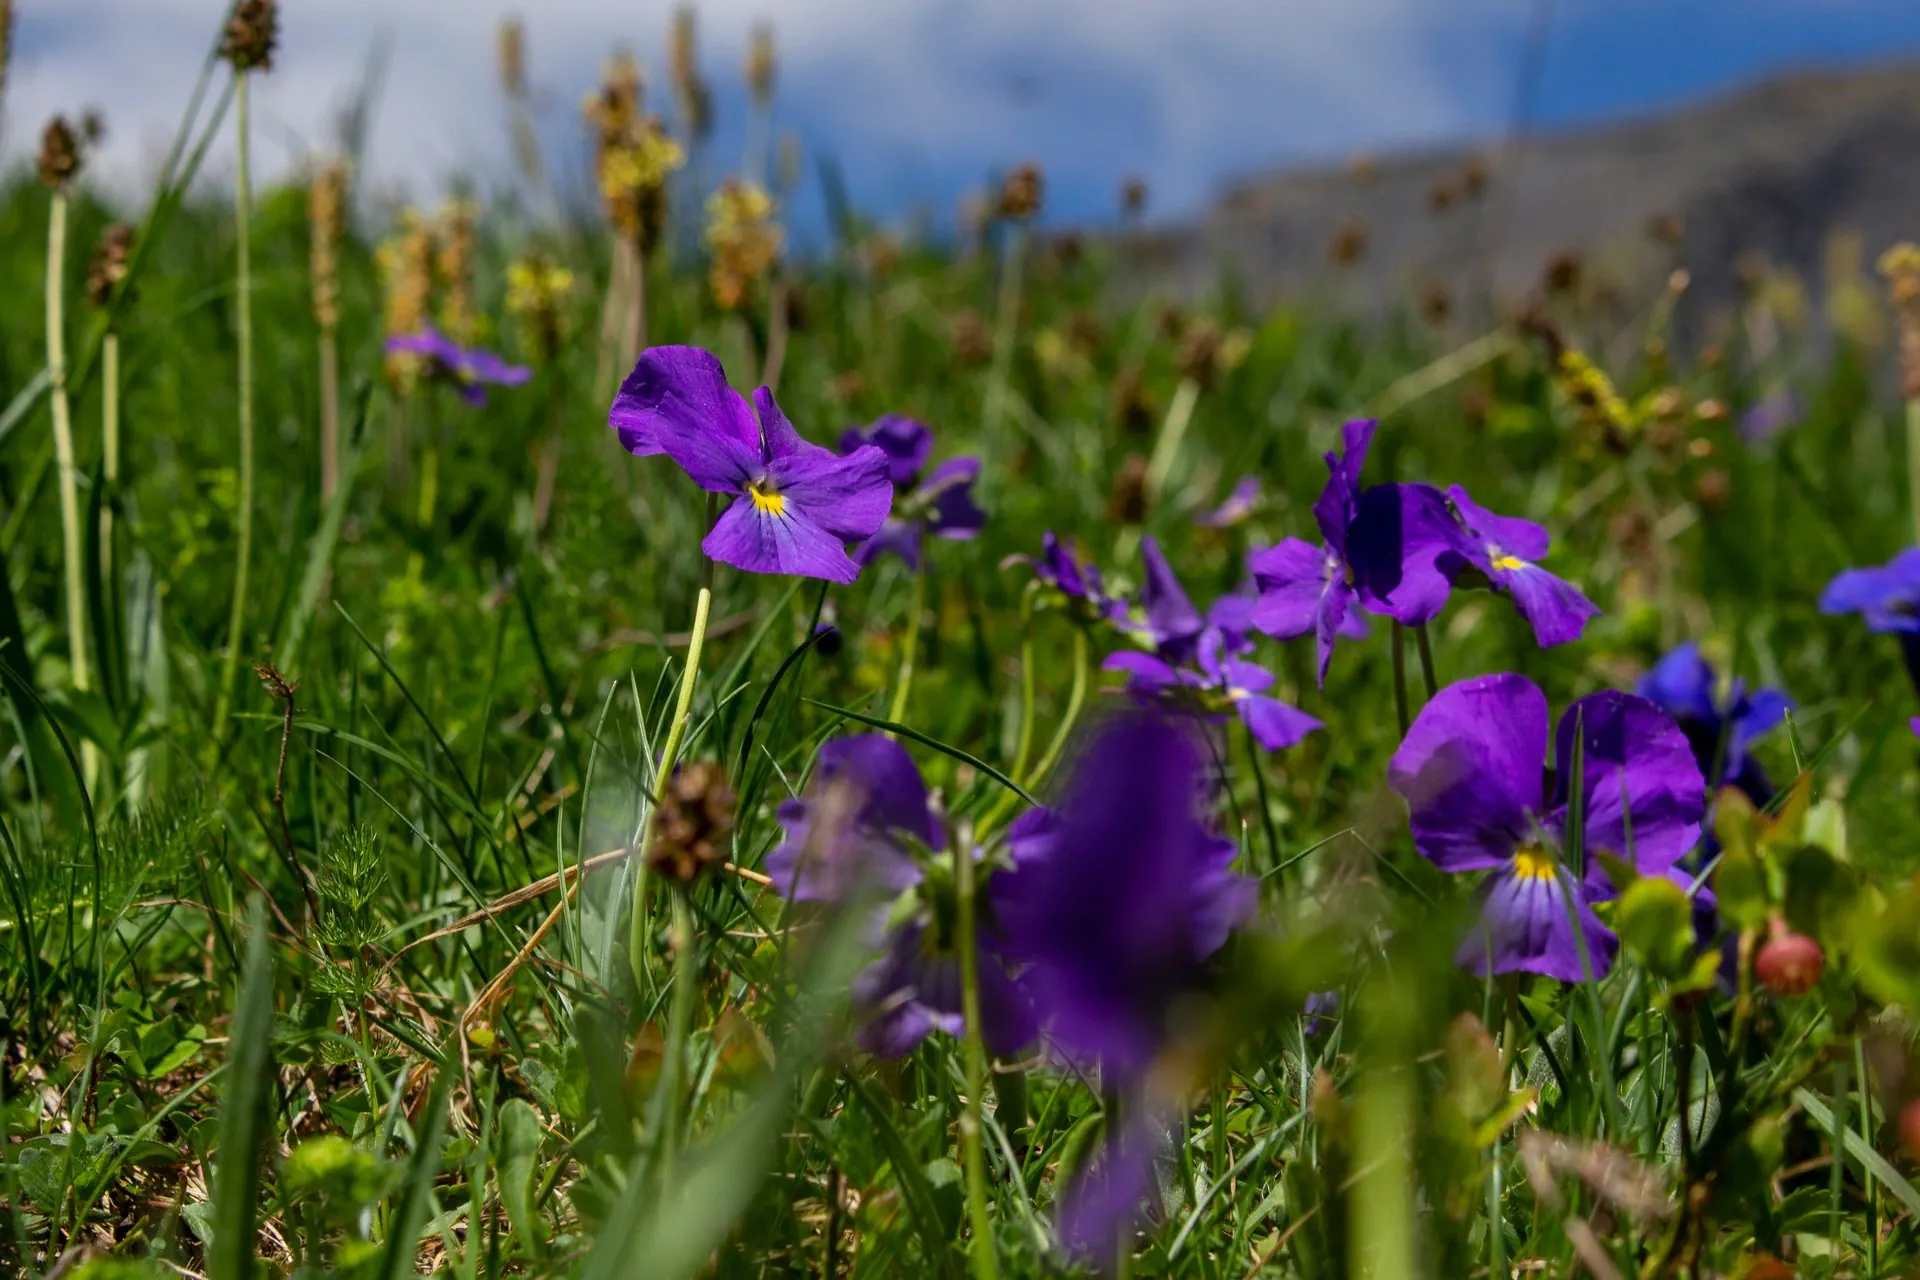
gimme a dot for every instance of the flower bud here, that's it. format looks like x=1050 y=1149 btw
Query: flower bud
x=251 y=32
x=1909 y=1127
x=59 y=155
x=1789 y=964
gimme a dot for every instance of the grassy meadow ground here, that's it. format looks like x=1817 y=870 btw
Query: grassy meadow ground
x=238 y=1035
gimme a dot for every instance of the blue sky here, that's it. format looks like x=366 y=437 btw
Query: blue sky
x=918 y=99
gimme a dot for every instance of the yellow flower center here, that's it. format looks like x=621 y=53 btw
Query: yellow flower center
x=767 y=499
x=1509 y=563
x=1533 y=863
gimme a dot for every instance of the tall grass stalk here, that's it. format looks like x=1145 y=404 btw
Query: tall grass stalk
x=67 y=473
x=1006 y=323
x=109 y=442
x=985 y=1264
x=243 y=332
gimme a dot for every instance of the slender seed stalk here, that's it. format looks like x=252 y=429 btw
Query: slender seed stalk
x=329 y=413
x=1076 y=699
x=109 y=442
x=1400 y=701
x=1425 y=643
x=243 y=332
x=778 y=324
x=903 y=685
x=686 y=976
x=633 y=331
x=1913 y=463
x=1006 y=324
x=669 y=754
x=1173 y=430
x=67 y=473
x=985 y=1265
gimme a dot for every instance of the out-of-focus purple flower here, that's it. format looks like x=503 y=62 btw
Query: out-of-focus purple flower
x=1238 y=506
x=1117 y=913
x=844 y=836
x=1059 y=566
x=1376 y=554
x=1719 y=729
x=942 y=504
x=795 y=504
x=1221 y=680
x=1887 y=596
x=1106 y=1198
x=1232 y=616
x=468 y=370
x=1321 y=1004
x=1503 y=550
x=1767 y=418
x=916 y=988
x=1470 y=771
x=1172 y=625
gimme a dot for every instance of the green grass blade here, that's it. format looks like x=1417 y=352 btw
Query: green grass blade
x=243 y=1109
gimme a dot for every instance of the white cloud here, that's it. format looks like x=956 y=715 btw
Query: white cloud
x=912 y=95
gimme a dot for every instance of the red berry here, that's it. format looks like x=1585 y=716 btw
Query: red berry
x=1910 y=1128
x=1789 y=964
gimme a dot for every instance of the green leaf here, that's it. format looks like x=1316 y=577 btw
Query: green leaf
x=415 y=1207
x=243 y=1109
x=1655 y=924
x=1740 y=883
x=1860 y=1150
x=519 y=1138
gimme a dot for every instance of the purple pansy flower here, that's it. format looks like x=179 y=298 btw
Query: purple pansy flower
x=1470 y=771
x=1720 y=729
x=1121 y=897
x=1503 y=549
x=1767 y=418
x=1887 y=595
x=1059 y=566
x=1219 y=678
x=942 y=504
x=795 y=504
x=1365 y=559
x=466 y=369
x=1238 y=506
x=850 y=834
x=844 y=834
x=1172 y=625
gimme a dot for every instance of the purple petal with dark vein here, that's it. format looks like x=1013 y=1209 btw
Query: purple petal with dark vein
x=760 y=542
x=1173 y=624
x=680 y=389
x=955 y=514
x=1470 y=771
x=848 y=497
x=1526 y=925
x=1509 y=535
x=1395 y=546
x=1637 y=770
x=896 y=536
x=780 y=440
x=1292 y=577
x=1334 y=510
x=1552 y=606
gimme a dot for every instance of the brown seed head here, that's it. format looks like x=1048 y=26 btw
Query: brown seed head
x=1133 y=197
x=1131 y=407
x=93 y=127
x=109 y=264
x=250 y=36
x=1349 y=243
x=972 y=341
x=1666 y=229
x=1713 y=488
x=696 y=813
x=1440 y=196
x=1363 y=167
x=1200 y=351
x=537 y=290
x=1901 y=267
x=1563 y=273
x=510 y=50
x=405 y=260
x=1022 y=192
x=761 y=63
x=59 y=155
x=1127 y=501
x=1473 y=177
x=744 y=240
x=326 y=220
x=1436 y=304
x=453 y=269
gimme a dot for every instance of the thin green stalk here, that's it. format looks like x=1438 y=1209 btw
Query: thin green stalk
x=1865 y=1082
x=903 y=686
x=1023 y=749
x=686 y=977
x=243 y=333
x=1913 y=463
x=1006 y=325
x=1400 y=701
x=1425 y=644
x=65 y=470
x=669 y=755
x=109 y=441
x=329 y=413
x=1173 y=430
x=985 y=1265
x=1076 y=699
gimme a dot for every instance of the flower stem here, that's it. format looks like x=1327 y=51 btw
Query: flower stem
x=63 y=440
x=1400 y=677
x=1173 y=430
x=686 y=977
x=1913 y=463
x=1006 y=324
x=1425 y=644
x=243 y=333
x=109 y=443
x=985 y=1265
x=329 y=413
x=676 y=730
x=903 y=686
x=1076 y=699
